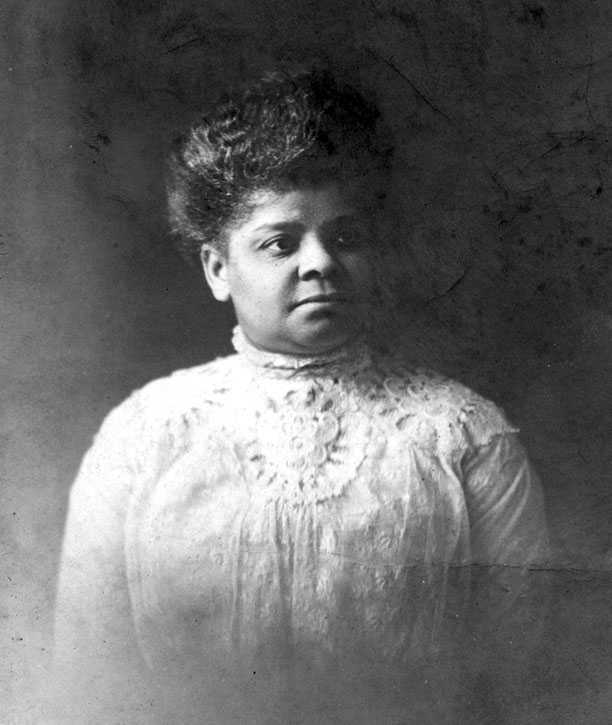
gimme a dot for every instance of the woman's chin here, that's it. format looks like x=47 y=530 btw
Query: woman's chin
x=312 y=335
x=325 y=335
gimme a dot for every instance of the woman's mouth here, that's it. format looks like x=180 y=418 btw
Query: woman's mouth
x=333 y=298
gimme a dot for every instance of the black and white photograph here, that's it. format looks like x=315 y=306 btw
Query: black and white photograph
x=306 y=350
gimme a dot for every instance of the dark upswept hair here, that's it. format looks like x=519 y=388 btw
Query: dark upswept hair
x=284 y=130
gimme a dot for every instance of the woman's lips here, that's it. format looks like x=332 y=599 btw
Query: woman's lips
x=323 y=299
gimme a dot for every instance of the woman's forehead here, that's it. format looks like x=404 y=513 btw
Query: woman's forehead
x=312 y=204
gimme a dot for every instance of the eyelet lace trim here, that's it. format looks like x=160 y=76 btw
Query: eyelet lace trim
x=310 y=443
x=302 y=429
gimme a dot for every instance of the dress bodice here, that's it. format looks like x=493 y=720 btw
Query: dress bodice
x=268 y=513
x=303 y=504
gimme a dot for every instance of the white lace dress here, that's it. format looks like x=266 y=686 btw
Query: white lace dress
x=276 y=519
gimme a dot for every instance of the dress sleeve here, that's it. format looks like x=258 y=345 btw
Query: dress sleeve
x=510 y=585
x=95 y=653
x=505 y=504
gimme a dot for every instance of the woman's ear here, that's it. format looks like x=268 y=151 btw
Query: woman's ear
x=214 y=263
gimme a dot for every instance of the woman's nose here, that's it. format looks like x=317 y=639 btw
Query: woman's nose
x=315 y=258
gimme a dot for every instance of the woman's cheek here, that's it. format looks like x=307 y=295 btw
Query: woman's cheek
x=363 y=272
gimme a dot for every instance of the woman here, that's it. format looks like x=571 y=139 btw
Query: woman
x=284 y=535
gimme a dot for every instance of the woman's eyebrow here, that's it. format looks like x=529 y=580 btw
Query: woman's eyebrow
x=347 y=217
x=289 y=225
x=278 y=226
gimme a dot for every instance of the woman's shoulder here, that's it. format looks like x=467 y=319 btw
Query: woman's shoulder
x=202 y=381
x=182 y=392
x=446 y=399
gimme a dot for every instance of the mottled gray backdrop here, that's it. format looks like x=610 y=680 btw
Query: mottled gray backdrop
x=502 y=113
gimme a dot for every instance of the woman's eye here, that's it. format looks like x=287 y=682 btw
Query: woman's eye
x=349 y=238
x=345 y=240
x=281 y=243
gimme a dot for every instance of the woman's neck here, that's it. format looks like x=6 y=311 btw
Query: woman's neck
x=353 y=351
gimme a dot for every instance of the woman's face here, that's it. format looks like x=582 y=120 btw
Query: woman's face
x=298 y=269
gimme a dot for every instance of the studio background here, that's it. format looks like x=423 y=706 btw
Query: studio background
x=501 y=113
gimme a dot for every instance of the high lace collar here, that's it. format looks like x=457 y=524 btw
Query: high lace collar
x=351 y=357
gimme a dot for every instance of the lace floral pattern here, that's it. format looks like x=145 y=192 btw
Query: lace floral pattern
x=304 y=500
x=302 y=452
x=302 y=428
x=318 y=420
